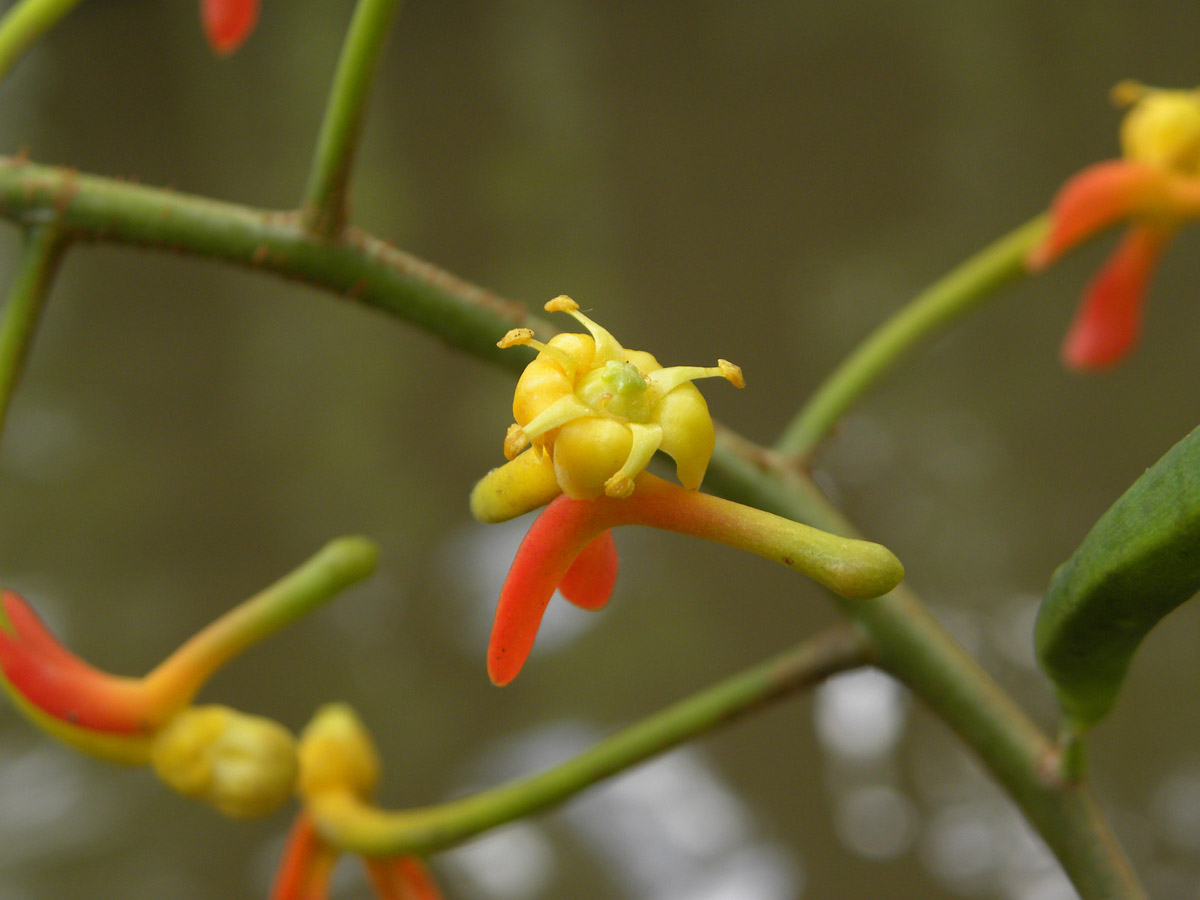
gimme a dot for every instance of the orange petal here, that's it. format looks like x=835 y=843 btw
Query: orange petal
x=1099 y=196
x=589 y=582
x=306 y=865
x=227 y=23
x=558 y=536
x=1109 y=321
x=402 y=878
x=60 y=683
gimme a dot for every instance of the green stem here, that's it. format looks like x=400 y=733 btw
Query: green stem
x=324 y=208
x=359 y=267
x=336 y=566
x=27 y=21
x=35 y=271
x=915 y=647
x=353 y=825
x=940 y=304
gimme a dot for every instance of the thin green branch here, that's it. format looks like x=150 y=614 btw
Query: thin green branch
x=22 y=312
x=354 y=825
x=359 y=267
x=24 y=23
x=915 y=648
x=912 y=644
x=325 y=197
x=941 y=303
x=336 y=566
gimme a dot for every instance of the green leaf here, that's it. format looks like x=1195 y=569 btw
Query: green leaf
x=1139 y=562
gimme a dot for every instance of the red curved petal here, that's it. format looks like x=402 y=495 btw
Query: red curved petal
x=589 y=582
x=1099 y=196
x=558 y=535
x=306 y=865
x=60 y=683
x=227 y=23
x=402 y=878
x=1108 y=323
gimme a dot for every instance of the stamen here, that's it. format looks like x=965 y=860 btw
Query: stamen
x=666 y=380
x=1127 y=92
x=515 y=338
x=523 y=337
x=560 y=412
x=514 y=441
x=646 y=439
x=607 y=346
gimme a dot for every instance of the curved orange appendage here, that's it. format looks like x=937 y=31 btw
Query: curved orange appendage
x=306 y=866
x=590 y=580
x=61 y=684
x=227 y=23
x=402 y=878
x=1096 y=198
x=558 y=538
x=1108 y=323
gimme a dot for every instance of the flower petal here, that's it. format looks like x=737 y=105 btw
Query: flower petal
x=61 y=684
x=402 y=878
x=1099 y=196
x=553 y=543
x=1109 y=322
x=306 y=865
x=589 y=582
x=227 y=23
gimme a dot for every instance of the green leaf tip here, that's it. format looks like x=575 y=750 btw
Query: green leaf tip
x=1140 y=561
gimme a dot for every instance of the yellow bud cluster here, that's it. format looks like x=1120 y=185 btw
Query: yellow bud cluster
x=243 y=765
x=336 y=753
x=594 y=414
x=1162 y=127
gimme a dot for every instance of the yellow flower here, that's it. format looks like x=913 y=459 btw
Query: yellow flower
x=595 y=413
x=1155 y=186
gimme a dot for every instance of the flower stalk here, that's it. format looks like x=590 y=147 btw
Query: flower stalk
x=24 y=23
x=325 y=197
x=946 y=300
x=351 y=823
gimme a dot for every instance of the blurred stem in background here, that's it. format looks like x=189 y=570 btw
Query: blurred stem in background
x=325 y=197
x=40 y=255
x=947 y=299
x=24 y=23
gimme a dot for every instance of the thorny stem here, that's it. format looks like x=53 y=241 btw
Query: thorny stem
x=325 y=197
x=24 y=23
x=22 y=311
x=351 y=824
x=912 y=645
x=948 y=298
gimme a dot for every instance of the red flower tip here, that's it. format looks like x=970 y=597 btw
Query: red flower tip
x=590 y=580
x=306 y=866
x=308 y=862
x=1096 y=198
x=227 y=23
x=61 y=684
x=402 y=878
x=566 y=536
x=1108 y=323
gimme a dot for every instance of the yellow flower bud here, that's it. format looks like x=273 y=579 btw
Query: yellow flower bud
x=337 y=753
x=598 y=412
x=512 y=490
x=1162 y=127
x=243 y=765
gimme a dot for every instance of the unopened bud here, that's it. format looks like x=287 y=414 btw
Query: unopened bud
x=243 y=765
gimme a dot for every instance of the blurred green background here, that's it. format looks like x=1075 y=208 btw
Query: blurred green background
x=762 y=182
